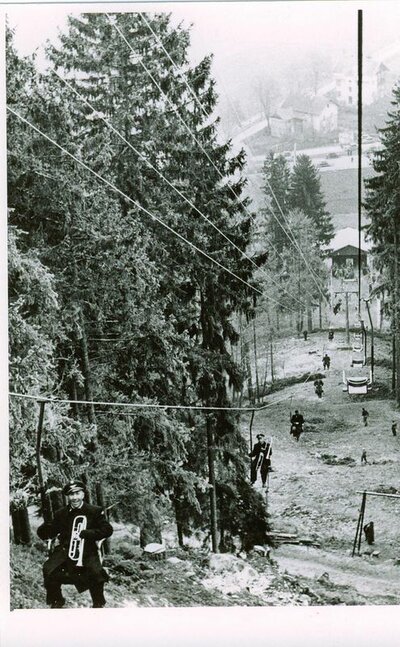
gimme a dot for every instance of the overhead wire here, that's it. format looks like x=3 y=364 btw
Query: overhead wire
x=233 y=107
x=170 y=184
x=144 y=19
x=140 y=60
x=146 y=405
x=158 y=39
x=293 y=240
x=131 y=200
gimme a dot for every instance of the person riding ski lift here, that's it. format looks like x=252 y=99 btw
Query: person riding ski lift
x=296 y=422
x=319 y=387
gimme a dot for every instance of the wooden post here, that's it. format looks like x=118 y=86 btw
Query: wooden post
x=16 y=525
x=346 y=294
x=364 y=501
x=20 y=524
x=25 y=528
x=251 y=435
x=372 y=340
x=357 y=538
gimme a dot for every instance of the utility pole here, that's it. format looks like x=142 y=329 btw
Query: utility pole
x=372 y=339
x=347 y=319
x=364 y=338
x=346 y=295
x=359 y=122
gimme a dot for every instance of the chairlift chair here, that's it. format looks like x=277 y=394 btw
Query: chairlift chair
x=356 y=384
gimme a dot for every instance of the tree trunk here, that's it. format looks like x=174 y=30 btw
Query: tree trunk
x=101 y=502
x=248 y=372
x=256 y=361
x=75 y=407
x=393 y=363
x=207 y=344
x=86 y=371
x=211 y=478
x=16 y=525
x=309 y=318
x=271 y=348
x=21 y=525
x=242 y=363
x=86 y=482
x=277 y=320
x=395 y=299
x=265 y=372
x=320 y=313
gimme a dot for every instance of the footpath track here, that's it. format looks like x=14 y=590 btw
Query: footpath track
x=313 y=488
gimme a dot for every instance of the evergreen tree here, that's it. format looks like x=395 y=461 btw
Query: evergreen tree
x=382 y=204
x=306 y=196
x=276 y=174
x=129 y=286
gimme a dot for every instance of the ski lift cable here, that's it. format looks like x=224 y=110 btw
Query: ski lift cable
x=158 y=39
x=134 y=202
x=145 y=405
x=174 y=106
x=293 y=240
x=154 y=168
x=201 y=106
x=169 y=101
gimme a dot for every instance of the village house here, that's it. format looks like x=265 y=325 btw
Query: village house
x=378 y=81
x=300 y=115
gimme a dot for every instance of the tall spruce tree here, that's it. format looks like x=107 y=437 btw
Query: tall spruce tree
x=306 y=196
x=168 y=342
x=382 y=204
x=276 y=176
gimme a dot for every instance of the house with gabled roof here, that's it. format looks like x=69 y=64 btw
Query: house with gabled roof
x=300 y=114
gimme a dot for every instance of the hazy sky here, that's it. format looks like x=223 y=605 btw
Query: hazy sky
x=227 y=28
x=248 y=39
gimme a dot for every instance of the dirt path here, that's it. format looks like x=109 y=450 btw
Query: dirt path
x=313 y=488
x=368 y=576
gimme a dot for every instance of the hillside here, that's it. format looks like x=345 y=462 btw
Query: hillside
x=312 y=495
x=340 y=189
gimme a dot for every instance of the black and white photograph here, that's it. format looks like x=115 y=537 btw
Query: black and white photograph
x=203 y=331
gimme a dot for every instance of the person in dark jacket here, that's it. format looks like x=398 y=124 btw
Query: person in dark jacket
x=296 y=422
x=319 y=387
x=75 y=562
x=326 y=361
x=261 y=459
x=365 y=416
